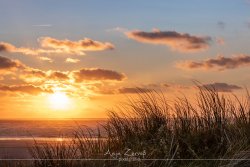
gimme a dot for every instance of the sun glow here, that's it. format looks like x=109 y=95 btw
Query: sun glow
x=59 y=101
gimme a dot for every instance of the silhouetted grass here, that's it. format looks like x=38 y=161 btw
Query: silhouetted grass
x=215 y=127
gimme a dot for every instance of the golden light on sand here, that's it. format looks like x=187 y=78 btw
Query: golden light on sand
x=59 y=101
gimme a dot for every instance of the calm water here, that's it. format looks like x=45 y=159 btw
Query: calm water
x=17 y=135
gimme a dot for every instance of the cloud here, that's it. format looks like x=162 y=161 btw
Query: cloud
x=23 y=79
x=70 y=60
x=46 y=59
x=20 y=71
x=37 y=76
x=28 y=89
x=218 y=63
x=221 y=25
x=221 y=87
x=6 y=47
x=7 y=64
x=88 y=74
x=132 y=90
x=181 y=42
x=33 y=75
x=54 y=46
x=76 y=47
x=109 y=90
x=175 y=86
x=26 y=73
x=42 y=25
x=57 y=75
x=34 y=72
x=118 y=29
x=102 y=89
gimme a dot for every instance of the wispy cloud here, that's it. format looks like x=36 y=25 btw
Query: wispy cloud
x=28 y=89
x=58 y=75
x=145 y=88
x=6 y=47
x=70 y=60
x=182 y=42
x=32 y=75
x=122 y=90
x=42 y=25
x=93 y=74
x=118 y=29
x=221 y=87
x=132 y=90
x=46 y=59
x=218 y=63
x=55 y=46
x=75 y=46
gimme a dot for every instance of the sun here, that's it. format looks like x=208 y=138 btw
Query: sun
x=59 y=101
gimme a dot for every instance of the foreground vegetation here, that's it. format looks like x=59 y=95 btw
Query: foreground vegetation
x=214 y=131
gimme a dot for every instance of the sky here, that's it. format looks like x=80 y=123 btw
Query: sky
x=77 y=59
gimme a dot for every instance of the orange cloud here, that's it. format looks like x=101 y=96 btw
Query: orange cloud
x=32 y=75
x=111 y=89
x=218 y=63
x=221 y=87
x=175 y=86
x=8 y=64
x=57 y=75
x=70 y=60
x=46 y=81
x=132 y=90
x=46 y=59
x=35 y=72
x=54 y=46
x=182 y=42
x=5 y=47
x=28 y=89
x=145 y=88
x=75 y=47
x=20 y=71
x=97 y=74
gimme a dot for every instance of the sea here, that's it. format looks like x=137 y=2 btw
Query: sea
x=17 y=136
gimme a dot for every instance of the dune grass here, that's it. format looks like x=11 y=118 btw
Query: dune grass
x=215 y=127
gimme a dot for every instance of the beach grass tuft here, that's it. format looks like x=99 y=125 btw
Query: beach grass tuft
x=149 y=131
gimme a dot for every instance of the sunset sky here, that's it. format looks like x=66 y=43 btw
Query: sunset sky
x=76 y=59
